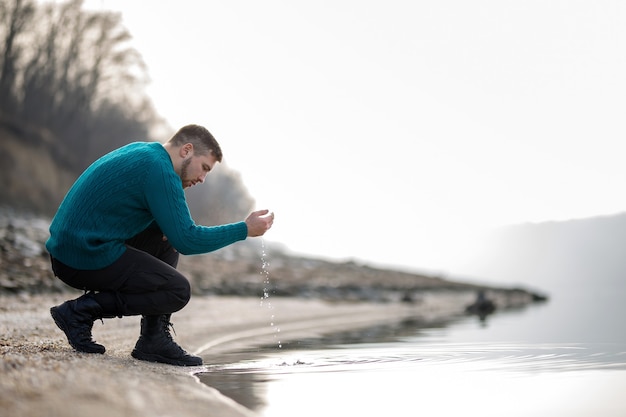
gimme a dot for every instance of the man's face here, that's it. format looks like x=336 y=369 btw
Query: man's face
x=195 y=168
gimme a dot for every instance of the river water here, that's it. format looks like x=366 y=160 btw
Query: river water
x=566 y=357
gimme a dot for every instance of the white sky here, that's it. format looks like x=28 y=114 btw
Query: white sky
x=393 y=131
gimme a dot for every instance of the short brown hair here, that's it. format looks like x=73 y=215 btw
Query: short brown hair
x=202 y=140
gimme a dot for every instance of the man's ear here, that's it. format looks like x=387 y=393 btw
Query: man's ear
x=186 y=150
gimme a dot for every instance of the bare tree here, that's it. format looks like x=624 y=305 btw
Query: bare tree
x=13 y=18
x=72 y=73
x=79 y=65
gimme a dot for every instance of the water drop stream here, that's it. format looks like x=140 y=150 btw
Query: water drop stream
x=265 y=301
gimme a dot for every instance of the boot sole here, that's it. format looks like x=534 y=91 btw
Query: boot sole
x=151 y=357
x=61 y=324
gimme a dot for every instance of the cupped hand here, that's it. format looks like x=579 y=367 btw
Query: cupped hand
x=259 y=222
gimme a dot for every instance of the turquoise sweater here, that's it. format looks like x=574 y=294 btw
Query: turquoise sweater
x=120 y=195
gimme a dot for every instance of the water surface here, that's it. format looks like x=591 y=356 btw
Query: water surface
x=530 y=362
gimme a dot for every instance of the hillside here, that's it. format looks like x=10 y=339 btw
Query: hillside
x=32 y=173
x=554 y=255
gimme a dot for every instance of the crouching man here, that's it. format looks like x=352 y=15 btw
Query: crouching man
x=118 y=233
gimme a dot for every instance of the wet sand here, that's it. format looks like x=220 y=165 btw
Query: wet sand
x=41 y=375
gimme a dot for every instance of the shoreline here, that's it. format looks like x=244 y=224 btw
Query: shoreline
x=40 y=374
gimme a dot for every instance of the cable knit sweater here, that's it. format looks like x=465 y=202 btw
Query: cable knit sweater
x=120 y=195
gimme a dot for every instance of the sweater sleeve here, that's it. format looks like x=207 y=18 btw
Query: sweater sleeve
x=166 y=201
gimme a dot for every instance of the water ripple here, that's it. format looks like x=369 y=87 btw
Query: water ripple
x=484 y=357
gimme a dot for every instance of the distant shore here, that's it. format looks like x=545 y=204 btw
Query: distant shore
x=236 y=271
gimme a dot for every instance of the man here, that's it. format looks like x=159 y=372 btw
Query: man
x=117 y=235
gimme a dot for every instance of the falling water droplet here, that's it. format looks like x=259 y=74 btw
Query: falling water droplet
x=266 y=290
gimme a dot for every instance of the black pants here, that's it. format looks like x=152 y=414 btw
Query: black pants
x=142 y=281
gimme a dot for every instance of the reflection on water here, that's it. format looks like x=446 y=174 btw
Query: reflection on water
x=407 y=369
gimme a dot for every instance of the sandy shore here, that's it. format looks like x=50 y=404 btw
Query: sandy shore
x=40 y=374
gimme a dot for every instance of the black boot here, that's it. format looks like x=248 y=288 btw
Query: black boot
x=75 y=318
x=156 y=344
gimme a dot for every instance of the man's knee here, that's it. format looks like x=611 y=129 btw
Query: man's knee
x=181 y=293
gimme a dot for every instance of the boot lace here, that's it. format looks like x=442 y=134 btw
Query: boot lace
x=167 y=325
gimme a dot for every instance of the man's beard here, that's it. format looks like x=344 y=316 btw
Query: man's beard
x=183 y=170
